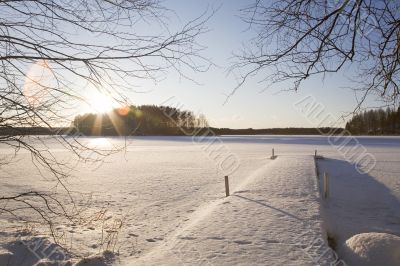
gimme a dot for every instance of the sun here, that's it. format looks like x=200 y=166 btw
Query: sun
x=100 y=103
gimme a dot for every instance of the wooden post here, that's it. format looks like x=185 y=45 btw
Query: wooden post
x=315 y=154
x=326 y=185
x=273 y=157
x=226 y=185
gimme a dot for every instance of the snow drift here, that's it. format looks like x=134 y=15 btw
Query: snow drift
x=372 y=249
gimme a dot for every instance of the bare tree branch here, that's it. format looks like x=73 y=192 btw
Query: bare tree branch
x=52 y=51
x=299 y=39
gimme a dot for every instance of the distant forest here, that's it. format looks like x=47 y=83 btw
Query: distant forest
x=139 y=120
x=163 y=120
x=169 y=121
x=375 y=122
x=153 y=120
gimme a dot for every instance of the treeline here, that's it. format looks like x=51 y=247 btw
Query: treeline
x=21 y=131
x=163 y=120
x=170 y=131
x=279 y=131
x=375 y=122
x=154 y=120
x=139 y=120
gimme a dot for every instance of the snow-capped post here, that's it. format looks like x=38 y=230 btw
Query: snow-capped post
x=226 y=185
x=326 y=185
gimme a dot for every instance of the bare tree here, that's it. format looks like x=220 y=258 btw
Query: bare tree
x=296 y=40
x=52 y=51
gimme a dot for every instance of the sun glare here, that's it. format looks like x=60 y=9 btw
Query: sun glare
x=100 y=103
x=100 y=143
x=37 y=84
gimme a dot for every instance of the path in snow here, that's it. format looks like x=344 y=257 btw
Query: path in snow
x=271 y=219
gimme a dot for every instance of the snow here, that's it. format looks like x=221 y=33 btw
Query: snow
x=370 y=249
x=32 y=250
x=104 y=259
x=169 y=193
x=42 y=251
x=358 y=203
x=264 y=221
x=5 y=257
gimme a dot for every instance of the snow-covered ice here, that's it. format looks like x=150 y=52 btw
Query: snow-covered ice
x=169 y=193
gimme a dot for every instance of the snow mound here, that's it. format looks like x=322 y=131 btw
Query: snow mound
x=105 y=259
x=372 y=249
x=41 y=251
x=36 y=251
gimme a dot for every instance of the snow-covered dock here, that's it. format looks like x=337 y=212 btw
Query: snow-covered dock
x=272 y=218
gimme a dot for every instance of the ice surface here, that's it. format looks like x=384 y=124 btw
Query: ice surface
x=169 y=190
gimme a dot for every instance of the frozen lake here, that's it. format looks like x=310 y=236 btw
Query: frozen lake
x=156 y=183
x=167 y=158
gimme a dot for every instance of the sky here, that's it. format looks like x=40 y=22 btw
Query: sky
x=251 y=106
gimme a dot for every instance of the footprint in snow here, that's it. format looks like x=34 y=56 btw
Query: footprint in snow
x=187 y=237
x=271 y=241
x=242 y=191
x=242 y=242
x=154 y=239
x=216 y=238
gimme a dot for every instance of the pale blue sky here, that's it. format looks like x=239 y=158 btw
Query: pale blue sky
x=249 y=107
